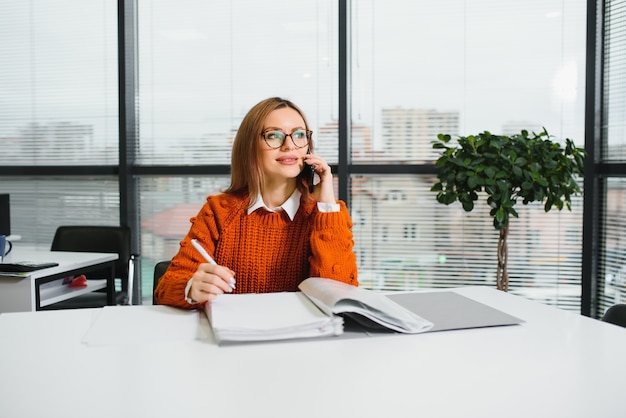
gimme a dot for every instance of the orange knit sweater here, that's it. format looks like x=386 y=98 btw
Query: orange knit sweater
x=267 y=251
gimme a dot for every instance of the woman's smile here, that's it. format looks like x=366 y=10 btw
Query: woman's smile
x=289 y=159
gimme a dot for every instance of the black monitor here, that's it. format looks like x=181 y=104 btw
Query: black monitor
x=5 y=215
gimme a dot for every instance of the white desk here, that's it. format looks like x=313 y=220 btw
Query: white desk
x=556 y=364
x=43 y=287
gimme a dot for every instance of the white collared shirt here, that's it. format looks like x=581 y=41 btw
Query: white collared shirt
x=291 y=205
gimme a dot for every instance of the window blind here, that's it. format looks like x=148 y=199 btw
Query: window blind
x=58 y=108
x=418 y=68
x=406 y=240
x=614 y=77
x=58 y=80
x=203 y=65
x=456 y=67
x=612 y=251
x=167 y=205
x=40 y=204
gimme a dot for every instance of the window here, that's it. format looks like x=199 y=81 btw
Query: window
x=195 y=91
x=614 y=105
x=612 y=249
x=58 y=109
x=59 y=82
x=460 y=68
x=417 y=69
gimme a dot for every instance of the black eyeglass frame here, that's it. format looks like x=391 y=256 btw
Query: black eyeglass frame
x=308 y=134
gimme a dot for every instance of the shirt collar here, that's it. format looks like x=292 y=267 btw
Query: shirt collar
x=290 y=206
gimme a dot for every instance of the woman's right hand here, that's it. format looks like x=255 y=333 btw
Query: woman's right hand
x=209 y=281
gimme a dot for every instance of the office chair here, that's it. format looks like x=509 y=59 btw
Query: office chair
x=616 y=314
x=159 y=271
x=98 y=239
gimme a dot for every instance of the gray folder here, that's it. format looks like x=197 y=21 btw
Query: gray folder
x=447 y=310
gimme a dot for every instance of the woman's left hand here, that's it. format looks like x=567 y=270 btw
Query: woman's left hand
x=324 y=190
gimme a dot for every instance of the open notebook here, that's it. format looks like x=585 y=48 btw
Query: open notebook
x=318 y=310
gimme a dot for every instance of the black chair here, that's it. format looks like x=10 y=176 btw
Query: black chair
x=616 y=314
x=98 y=239
x=159 y=271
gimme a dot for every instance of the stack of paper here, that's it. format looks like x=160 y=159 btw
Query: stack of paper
x=269 y=316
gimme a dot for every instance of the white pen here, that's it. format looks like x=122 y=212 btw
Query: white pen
x=209 y=259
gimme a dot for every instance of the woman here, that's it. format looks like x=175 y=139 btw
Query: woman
x=266 y=232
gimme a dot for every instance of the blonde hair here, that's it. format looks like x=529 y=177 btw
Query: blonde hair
x=245 y=169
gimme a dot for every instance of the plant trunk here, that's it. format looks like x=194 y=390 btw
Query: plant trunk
x=502 y=277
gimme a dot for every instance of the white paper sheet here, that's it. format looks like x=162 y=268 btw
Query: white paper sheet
x=336 y=297
x=123 y=325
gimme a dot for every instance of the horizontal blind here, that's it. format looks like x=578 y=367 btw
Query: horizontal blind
x=40 y=204
x=165 y=209
x=58 y=83
x=203 y=65
x=58 y=107
x=612 y=251
x=406 y=240
x=459 y=67
x=614 y=77
x=612 y=254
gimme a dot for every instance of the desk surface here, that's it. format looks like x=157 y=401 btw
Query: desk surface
x=555 y=364
x=67 y=260
x=19 y=294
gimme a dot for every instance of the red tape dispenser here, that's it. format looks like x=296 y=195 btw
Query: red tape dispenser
x=78 y=281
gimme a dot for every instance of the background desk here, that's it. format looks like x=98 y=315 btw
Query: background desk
x=556 y=364
x=43 y=287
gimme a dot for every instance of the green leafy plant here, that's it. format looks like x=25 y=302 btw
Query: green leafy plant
x=507 y=169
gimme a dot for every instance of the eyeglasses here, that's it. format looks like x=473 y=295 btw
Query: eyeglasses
x=275 y=138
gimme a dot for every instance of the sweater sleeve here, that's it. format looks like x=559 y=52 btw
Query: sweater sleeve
x=171 y=287
x=332 y=247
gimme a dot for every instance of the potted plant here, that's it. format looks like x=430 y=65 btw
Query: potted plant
x=507 y=169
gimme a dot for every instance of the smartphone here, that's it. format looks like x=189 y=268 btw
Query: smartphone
x=309 y=173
